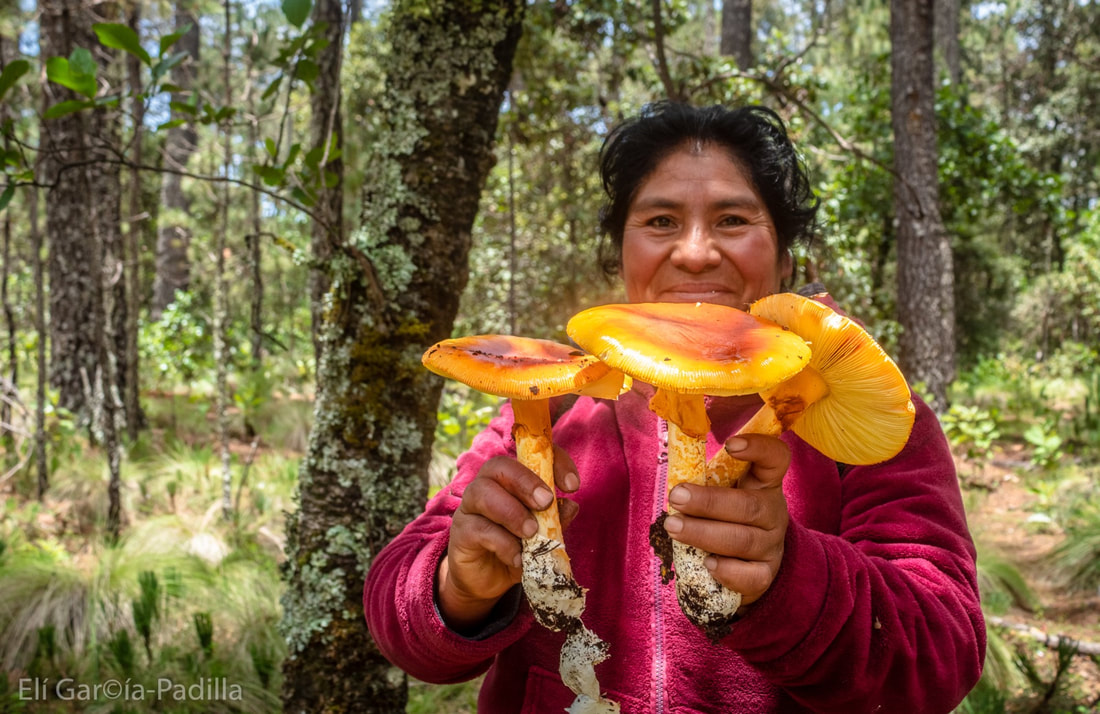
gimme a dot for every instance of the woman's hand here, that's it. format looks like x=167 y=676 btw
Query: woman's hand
x=744 y=527
x=483 y=556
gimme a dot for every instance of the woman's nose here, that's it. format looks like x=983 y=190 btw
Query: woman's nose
x=696 y=250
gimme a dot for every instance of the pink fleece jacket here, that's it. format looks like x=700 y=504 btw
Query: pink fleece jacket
x=875 y=607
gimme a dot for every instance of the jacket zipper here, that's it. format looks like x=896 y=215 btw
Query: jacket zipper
x=661 y=486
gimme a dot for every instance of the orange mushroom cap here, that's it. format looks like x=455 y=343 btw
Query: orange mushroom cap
x=522 y=367
x=689 y=348
x=867 y=413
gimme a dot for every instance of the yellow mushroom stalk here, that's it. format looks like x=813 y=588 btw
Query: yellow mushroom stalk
x=851 y=403
x=529 y=373
x=687 y=351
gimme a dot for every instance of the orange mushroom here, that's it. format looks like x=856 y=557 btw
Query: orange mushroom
x=851 y=403
x=688 y=351
x=529 y=372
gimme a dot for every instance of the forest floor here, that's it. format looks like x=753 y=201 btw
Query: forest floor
x=1001 y=513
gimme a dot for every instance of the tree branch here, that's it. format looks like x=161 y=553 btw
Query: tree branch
x=1052 y=641
x=662 y=61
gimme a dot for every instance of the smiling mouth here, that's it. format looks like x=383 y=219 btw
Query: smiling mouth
x=705 y=290
x=720 y=295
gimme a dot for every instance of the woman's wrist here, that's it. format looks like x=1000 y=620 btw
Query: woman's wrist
x=460 y=612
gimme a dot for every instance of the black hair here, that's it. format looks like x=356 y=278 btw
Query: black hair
x=756 y=139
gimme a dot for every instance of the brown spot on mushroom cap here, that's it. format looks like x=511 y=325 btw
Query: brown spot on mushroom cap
x=522 y=367
x=690 y=348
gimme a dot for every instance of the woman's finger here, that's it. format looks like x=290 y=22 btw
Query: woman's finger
x=751 y=579
x=768 y=455
x=565 y=471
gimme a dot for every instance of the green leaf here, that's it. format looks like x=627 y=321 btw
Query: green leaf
x=272 y=149
x=273 y=87
x=297 y=11
x=169 y=40
x=171 y=124
x=67 y=107
x=6 y=196
x=160 y=69
x=314 y=156
x=12 y=73
x=307 y=71
x=121 y=37
x=60 y=71
x=299 y=195
x=82 y=63
x=184 y=108
x=291 y=155
x=271 y=175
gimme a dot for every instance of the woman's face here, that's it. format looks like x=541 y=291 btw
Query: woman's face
x=697 y=231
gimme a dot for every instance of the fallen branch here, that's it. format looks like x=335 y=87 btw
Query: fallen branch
x=1052 y=641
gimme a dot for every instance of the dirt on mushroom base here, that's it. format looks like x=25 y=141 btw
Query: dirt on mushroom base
x=999 y=506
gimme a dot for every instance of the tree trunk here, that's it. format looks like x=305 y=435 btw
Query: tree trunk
x=68 y=166
x=106 y=199
x=255 y=247
x=326 y=130
x=737 y=31
x=394 y=288
x=7 y=432
x=74 y=293
x=131 y=397
x=221 y=288
x=947 y=38
x=41 y=467
x=926 y=308
x=173 y=266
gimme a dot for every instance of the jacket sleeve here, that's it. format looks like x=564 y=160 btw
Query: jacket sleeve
x=399 y=593
x=885 y=616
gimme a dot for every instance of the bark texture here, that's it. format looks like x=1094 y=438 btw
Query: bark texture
x=737 y=31
x=926 y=304
x=393 y=289
x=131 y=398
x=82 y=225
x=947 y=38
x=173 y=266
x=327 y=131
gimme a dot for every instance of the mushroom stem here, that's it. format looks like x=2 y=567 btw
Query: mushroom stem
x=535 y=450
x=782 y=408
x=703 y=600
x=555 y=597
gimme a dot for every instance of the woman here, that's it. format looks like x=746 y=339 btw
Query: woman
x=859 y=582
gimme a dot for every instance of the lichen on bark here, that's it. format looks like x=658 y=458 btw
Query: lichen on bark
x=392 y=290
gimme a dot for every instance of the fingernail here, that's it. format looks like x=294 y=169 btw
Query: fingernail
x=543 y=497
x=530 y=528
x=710 y=562
x=517 y=561
x=679 y=496
x=674 y=524
x=571 y=482
x=735 y=444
